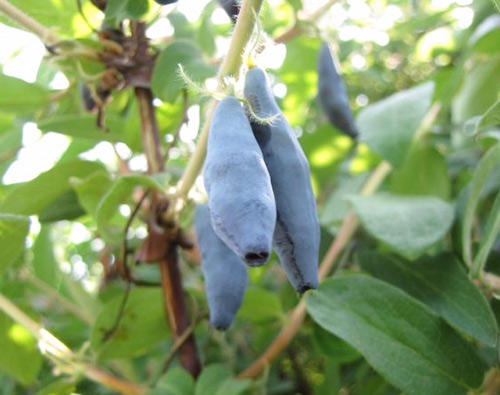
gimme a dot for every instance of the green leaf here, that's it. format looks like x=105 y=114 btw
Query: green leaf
x=234 y=387
x=205 y=35
x=47 y=187
x=389 y=125
x=483 y=170
x=410 y=225
x=336 y=207
x=442 y=284
x=20 y=357
x=211 y=379
x=62 y=386
x=45 y=265
x=13 y=232
x=175 y=382
x=489 y=237
x=65 y=207
x=85 y=126
x=490 y=118
x=166 y=82
x=141 y=327
x=424 y=172
x=260 y=305
x=19 y=96
x=334 y=347
x=117 y=10
x=479 y=90
x=301 y=60
x=60 y=15
x=91 y=189
x=400 y=338
x=119 y=192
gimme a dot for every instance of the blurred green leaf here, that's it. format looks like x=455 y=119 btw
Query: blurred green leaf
x=442 y=284
x=483 y=170
x=175 y=382
x=479 y=89
x=64 y=207
x=90 y=190
x=217 y=379
x=211 y=379
x=61 y=15
x=62 y=386
x=117 y=10
x=336 y=206
x=47 y=187
x=490 y=118
x=260 y=305
x=389 y=125
x=400 y=338
x=19 y=356
x=13 y=232
x=489 y=237
x=85 y=126
x=410 y=225
x=424 y=172
x=141 y=326
x=299 y=74
x=166 y=81
x=19 y=96
x=45 y=265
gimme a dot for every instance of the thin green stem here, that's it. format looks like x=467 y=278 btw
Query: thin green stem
x=14 y=13
x=65 y=303
x=59 y=353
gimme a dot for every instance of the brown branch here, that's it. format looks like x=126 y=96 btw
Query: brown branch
x=150 y=133
x=177 y=314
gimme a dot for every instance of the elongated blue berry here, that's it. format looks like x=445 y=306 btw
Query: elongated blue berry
x=164 y=2
x=332 y=94
x=239 y=188
x=226 y=276
x=232 y=8
x=297 y=234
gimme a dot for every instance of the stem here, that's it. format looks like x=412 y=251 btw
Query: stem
x=297 y=316
x=177 y=315
x=14 y=13
x=56 y=296
x=296 y=29
x=56 y=350
x=230 y=66
x=149 y=130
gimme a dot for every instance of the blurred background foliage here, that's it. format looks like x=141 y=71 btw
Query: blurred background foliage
x=71 y=178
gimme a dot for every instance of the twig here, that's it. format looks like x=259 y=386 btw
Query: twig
x=175 y=304
x=347 y=230
x=69 y=362
x=149 y=130
x=230 y=66
x=14 y=13
x=296 y=29
x=123 y=267
x=56 y=296
x=177 y=345
x=110 y=332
